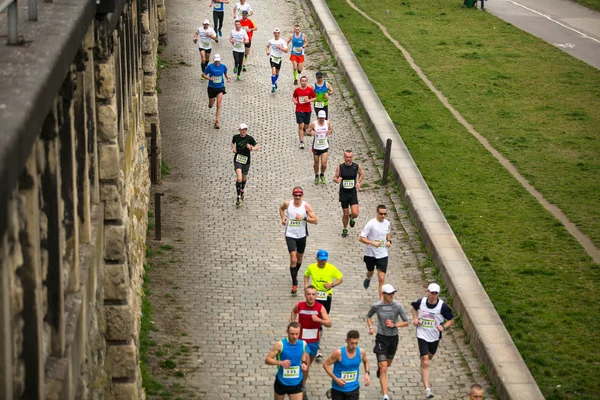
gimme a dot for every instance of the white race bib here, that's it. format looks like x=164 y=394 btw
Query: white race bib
x=319 y=104
x=349 y=376
x=297 y=49
x=218 y=79
x=242 y=159
x=302 y=99
x=276 y=60
x=348 y=183
x=321 y=295
x=310 y=333
x=427 y=323
x=321 y=141
x=295 y=223
x=238 y=45
x=291 y=372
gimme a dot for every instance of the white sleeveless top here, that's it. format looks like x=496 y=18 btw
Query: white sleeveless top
x=296 y=221
x=430 y=319
x=321 y=142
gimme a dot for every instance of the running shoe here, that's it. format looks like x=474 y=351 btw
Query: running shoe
x=275 y=85
x=366 y=283
x=301 y=145
x=345 y=233
x=352 y=222
x=319 y=358
x=239 y=78
x=244 y=68
x=235 y=70
x=202 y=78
x=273 y=89
x=316 y=180
x=385 y=397
x=294 y=290
x=216 y=40
x=328 y=394
x=295 y=82
x=220 y=33
x=323 y=179
x=238 y=202
x=428 y=394
x=217 y=125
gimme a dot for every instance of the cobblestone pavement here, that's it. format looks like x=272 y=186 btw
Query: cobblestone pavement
x=232 y=269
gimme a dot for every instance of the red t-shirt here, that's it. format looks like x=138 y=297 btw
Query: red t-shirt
x=310 y=330
x=248 y=23
x=305 y=94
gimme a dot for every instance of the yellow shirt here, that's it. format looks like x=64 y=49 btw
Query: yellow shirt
x=321 y=276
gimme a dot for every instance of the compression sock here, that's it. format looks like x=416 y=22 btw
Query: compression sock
x=295 y=75
x=276 y=77
x=243 y=185
x=238 y=187
x=273 y=79
x=203 y=66
x=294 y=274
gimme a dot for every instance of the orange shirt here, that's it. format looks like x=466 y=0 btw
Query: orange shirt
x=248 y=24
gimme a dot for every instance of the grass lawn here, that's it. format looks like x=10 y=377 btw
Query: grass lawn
x=538 y=106
x=592 y=4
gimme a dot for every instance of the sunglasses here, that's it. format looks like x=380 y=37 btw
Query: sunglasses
x=380 y=213
x=298 y=195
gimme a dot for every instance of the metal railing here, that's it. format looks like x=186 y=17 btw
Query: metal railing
x=13 y=17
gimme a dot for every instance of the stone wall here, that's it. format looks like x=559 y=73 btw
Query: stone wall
x=72 y=249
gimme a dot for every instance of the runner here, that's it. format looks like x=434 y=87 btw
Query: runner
x=476 y=392
x=275 y=49
x=321 y=129
x=241 y=145
x=431 y=316
x=299 y=213
x=249 y=26
x=323 y=89
x=238 y=38
x=376 y=236
x=289 y=354
x=349 y=175
x=311 y=316
x=303 y=96
x=325 y=277
x=216 y=87
x=299 y=43
x=206 y=34
x=239 y=7
x=386 y=341
x=218 y=15
x=345 y=376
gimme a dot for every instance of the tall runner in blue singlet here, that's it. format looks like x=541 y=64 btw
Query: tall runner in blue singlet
x=218 y=15
x=290 y=356
x=298 y=44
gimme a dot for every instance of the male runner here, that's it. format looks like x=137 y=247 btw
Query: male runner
x=345 y=376
x=325 y=277
x=321 y=129
x=349 y=175
x=275 y=49
x=238 y=38
x=376 y=236
x=289 y=354
x=323 y=89
x=299 y=213
x=476 y=392
x=311 y=316
x=249 y=26
x=386 y=341
x=241 y=145
x=302 y=97
x=431 y=316
x=239 y=7
x=215 y=73
x=299 y=43
x=218 y=15
x=206 y=34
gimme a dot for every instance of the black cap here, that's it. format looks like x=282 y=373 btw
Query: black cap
x=244 y=12
x=319 y=74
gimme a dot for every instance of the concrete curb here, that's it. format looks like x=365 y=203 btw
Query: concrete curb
x=487 y=334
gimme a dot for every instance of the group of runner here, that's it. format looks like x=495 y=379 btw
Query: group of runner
x=294 y=354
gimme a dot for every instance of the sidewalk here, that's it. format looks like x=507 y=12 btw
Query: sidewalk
x=231 y=270
x=562 y=23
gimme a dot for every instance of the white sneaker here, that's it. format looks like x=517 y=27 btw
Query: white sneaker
x=386 y=397
x=428 y=394
x=319 y=358
x=301 y=145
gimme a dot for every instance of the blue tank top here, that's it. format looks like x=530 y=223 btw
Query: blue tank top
x=218 y=6
x=291 y=376
x=297 y=43
x=320 y=91
x=347 y=369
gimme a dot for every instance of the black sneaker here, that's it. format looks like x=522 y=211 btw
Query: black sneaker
x=294 y=290
x=328 y=394
x=244 y=68
x=345 y=233
x=366 y=283
x=238 y=202
x=352 y=222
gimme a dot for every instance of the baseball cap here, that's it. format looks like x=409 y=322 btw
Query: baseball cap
x=322 y=255
x=206 y=22
x=217 y=57
x=434 y=287
x=319 y=74
x=243 y=126
x=388 y=289
x=322 y=114
x=276 y=30
x=244 y=12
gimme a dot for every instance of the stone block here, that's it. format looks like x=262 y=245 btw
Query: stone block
x=116 y=282
x=106 y=116
x=149 y=84
x=162 y=31
x=151 y=104
x=119 y=322
x=147 y=43
x=126 y=391
x=160 y=3
x=149 y=63
x=114 y=242
x=109 y=161
x=161 y=13
x=122 y=360
x=145 y=23
x=105 y=80
x=113 y=209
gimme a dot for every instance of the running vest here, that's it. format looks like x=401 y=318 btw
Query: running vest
x=310 y=330
x=296 y=222
x=349 y=174
x=204 y=37
x=297 y=45
x=321 y=100
x=320 y=141
x=218 y=6
x=430 y=318
x=291 y=376
x=347 y=369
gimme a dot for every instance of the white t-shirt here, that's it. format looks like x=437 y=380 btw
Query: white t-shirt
x=239 y=37
x=205 y=38
x=239 y=8
x=276 y=54
x=376 y=231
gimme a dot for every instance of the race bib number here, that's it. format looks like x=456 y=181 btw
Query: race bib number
x=217 y=79
x=297 y=49
x=205 y=42
x=321 y=295
x=295 y=223
x=310 y=333
x=276 y=60
x=319 y=104
x=245 y=28
x=238 y=45
x=321 y=141
x=348 y=183
x=302 y=99
x=291 y=372
x=241 y=158
x=428 y=323
x=349 y=376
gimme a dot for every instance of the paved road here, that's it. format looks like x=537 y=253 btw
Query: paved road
x=565 y=24
x=232 y=274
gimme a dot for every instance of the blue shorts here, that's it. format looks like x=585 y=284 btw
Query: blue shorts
x=312 y=348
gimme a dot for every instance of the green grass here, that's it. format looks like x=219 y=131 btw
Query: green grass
x=591 y=4
x=543 y=285
x=150 y=384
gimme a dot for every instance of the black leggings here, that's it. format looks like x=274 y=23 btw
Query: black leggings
x=218 y=20
x=238 y=60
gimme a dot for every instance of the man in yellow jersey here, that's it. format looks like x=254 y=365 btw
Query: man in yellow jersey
x=325 y=277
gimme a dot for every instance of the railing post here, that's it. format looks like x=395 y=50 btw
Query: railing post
x=157 y=216
x=153 y=155
x=386 y=161
x=13 y=20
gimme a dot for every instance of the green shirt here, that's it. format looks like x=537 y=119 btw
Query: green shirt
x=321 y=276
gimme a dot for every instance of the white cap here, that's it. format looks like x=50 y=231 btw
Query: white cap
x=276 y=30
x=434 y=287
x=322 y=114
x=217 y=57
x=388 y=289
x=243 y=126
x=206 y=22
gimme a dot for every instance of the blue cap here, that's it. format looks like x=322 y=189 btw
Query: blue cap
x=322 y=255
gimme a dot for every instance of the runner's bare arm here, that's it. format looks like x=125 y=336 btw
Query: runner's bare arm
x=370 y=325
x=310 y=131
x=330 y=128
x=271 y=357
x=365 y=360
x=361 y=175
x=329 y=89
x=337 y=177
x=325 y=320
x=311 y=217
x=306 y=279
x=282 y=209
x=415 y=315
x=294 y=313
x=332 y=359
